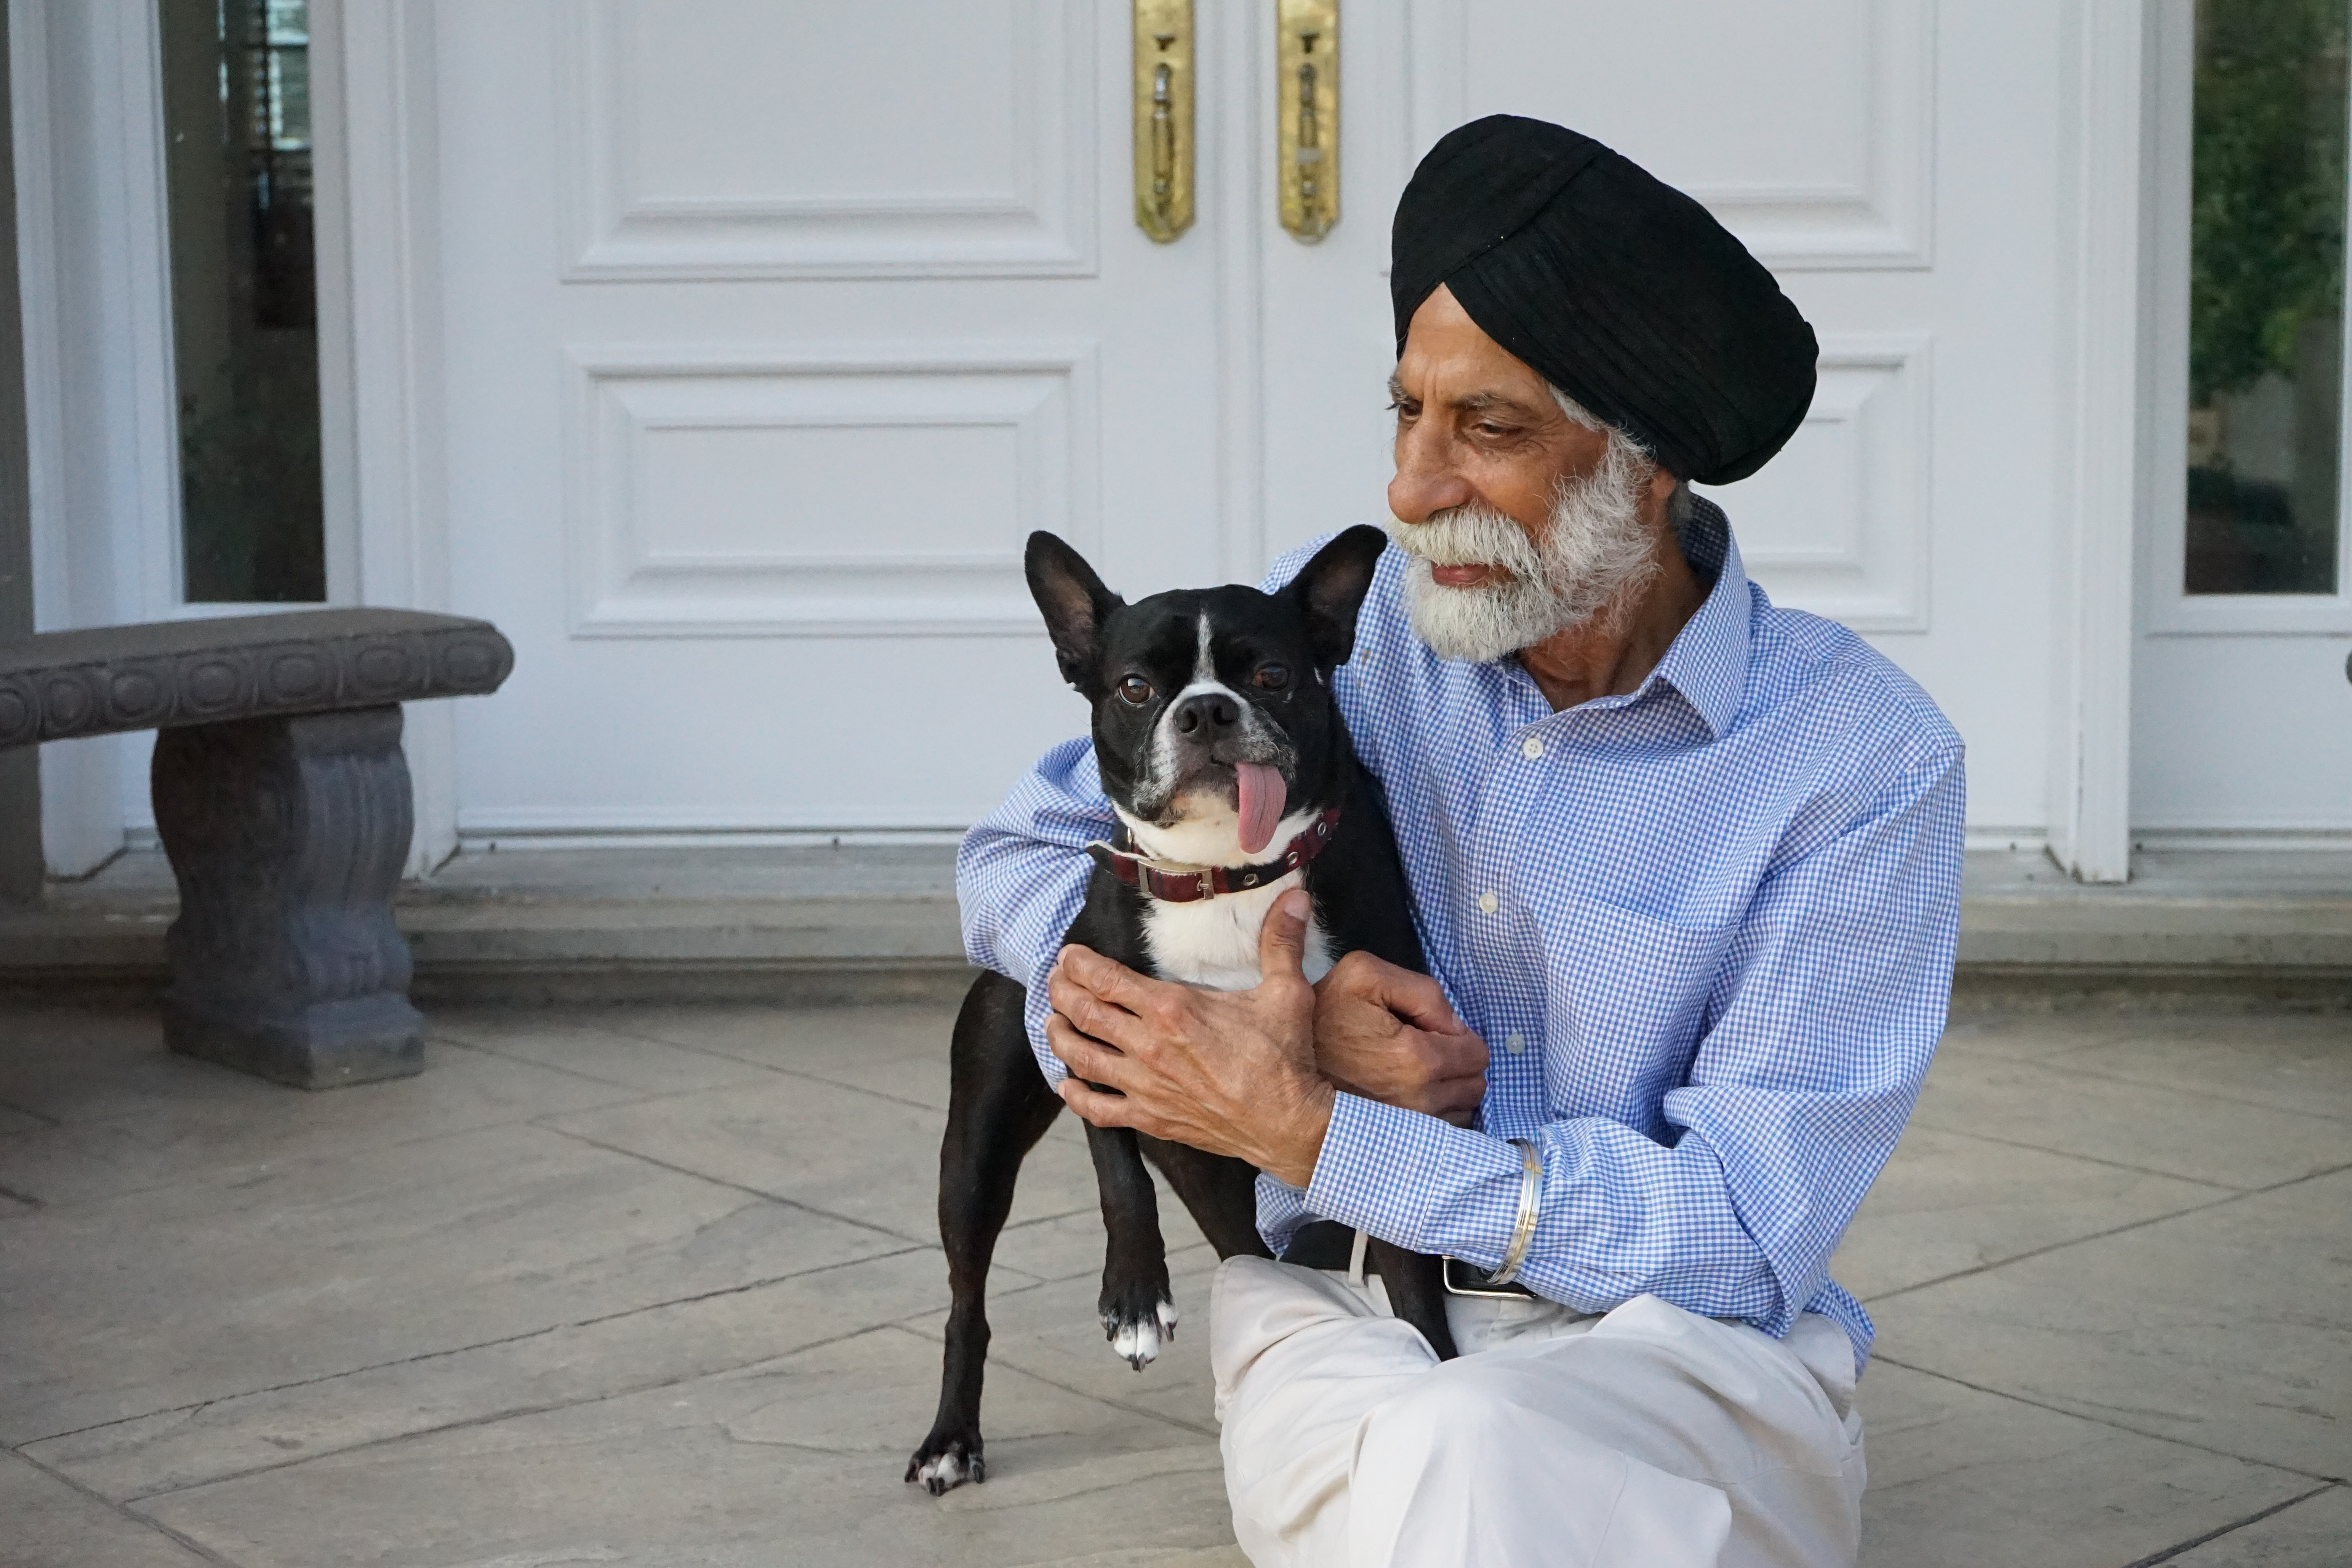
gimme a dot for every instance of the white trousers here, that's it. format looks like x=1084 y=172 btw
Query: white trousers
x=1645 y=1438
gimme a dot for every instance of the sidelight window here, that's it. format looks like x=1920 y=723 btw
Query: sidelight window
x=245 y=315
x=2266 y=337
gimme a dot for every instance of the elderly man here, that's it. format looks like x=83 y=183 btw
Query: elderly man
x=1686 y=868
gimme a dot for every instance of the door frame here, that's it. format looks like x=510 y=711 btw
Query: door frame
x=101 y=389
x=2104 y=411
x=21 y=863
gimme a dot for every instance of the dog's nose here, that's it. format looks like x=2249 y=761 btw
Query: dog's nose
x=1210 y=714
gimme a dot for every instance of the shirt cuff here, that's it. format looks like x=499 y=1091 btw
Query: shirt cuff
x=1411 y=1179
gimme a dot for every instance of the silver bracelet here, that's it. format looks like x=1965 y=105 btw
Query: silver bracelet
x=1523 y=1232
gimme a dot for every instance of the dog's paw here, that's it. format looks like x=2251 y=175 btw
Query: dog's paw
x=1137 y=1334
x=945 y=1463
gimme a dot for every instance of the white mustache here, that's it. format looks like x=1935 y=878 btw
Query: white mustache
x=1470 y=535
x=1594 y=552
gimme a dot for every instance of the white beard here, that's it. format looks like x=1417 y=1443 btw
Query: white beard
x=1595 y=556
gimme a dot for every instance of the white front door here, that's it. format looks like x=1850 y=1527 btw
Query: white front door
x=2242 y=713
x=775 y=330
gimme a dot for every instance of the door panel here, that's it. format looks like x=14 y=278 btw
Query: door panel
x=2242 y=735
x=1806 y=126
x=777 y=330
x=736 y=139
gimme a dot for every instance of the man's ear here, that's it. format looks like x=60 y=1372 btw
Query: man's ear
x=1075 y=604
x=1330 y=588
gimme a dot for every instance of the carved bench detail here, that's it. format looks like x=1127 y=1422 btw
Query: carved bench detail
x=282 y=798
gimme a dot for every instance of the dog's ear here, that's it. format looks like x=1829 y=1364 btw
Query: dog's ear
x=1331 y=589
x=1075 y=604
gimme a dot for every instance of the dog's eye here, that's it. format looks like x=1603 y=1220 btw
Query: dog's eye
x=1135 y=691
x=1273 y=677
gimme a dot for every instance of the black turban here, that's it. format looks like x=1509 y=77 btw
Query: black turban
x=1617 y=289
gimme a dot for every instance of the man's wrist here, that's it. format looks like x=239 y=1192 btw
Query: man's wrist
x=1306 y=1143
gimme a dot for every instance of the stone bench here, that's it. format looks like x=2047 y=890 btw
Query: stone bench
x=282 y=798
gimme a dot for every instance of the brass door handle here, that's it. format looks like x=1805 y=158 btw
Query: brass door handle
x=1163 y=116
x=1307 y=54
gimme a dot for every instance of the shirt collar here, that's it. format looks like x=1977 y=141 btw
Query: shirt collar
x=1707 y=662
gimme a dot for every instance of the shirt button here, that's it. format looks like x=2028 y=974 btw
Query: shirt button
x=1515 y=1042
x=1531 y=748
x=1489 y=903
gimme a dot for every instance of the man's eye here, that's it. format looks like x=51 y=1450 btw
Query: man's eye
x=1273 y=677
x=1135 y=691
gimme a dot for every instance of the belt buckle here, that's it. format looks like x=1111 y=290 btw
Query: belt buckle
x=1468 y=1279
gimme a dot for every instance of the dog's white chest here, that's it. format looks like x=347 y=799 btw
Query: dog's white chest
x=1213 y=943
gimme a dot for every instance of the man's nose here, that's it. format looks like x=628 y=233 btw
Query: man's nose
x=1207 y=715
x=1426 y=482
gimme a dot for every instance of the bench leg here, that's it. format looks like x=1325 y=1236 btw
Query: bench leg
x=288 y=836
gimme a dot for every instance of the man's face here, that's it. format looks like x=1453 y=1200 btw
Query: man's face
x=1477 y=426
x=1524 y=521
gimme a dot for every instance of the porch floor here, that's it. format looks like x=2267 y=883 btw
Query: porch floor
x=659 y=1286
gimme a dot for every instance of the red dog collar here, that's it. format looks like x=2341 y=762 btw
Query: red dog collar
x=1176 y=883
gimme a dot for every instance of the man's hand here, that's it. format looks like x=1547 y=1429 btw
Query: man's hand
x=1231 y=1072
x=1386 y=1034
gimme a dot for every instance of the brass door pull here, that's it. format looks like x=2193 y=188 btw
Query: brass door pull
x=1307 y=52
x=1163 y=116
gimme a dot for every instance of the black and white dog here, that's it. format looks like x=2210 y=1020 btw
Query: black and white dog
x=1222 y=750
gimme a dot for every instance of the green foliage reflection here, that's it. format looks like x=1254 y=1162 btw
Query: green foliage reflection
x=2266 y=296
x=2268 y=215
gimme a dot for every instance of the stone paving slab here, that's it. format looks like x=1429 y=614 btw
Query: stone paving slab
x=826 y=1147
x=230 y=1125
x=1961 y=1478
x=2301 y=1063
x=50 y=1524
x=205 y=1290
x=897 y=1052
x=578 y=1364
x=797 y=1461
x=606 y=1054
x=659 y=1285
x=2312 y=1533
x=2191 y=1135
x=2226 y=1327
x=1952 y=1203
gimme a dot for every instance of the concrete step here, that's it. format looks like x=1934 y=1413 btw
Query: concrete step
x=2205 y=924
x=844 y=922
x=813 y=925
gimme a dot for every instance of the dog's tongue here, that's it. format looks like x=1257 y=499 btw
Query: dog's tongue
x=1261 y=803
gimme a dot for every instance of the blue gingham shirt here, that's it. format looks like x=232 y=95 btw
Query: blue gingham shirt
x=1706 y=928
